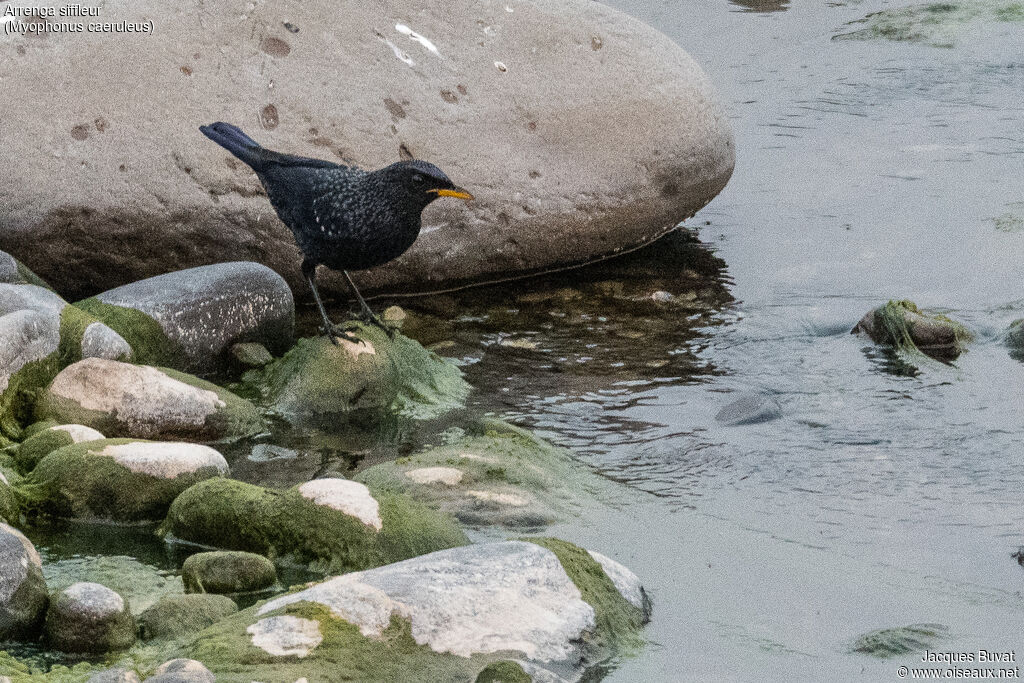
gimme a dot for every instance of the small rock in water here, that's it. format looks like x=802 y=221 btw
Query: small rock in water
x=176 y=615
x=227 y=572
x=182 y=671
x=750 y=408
x=662 y=296
x=88 y=617
x=251 y=354
x=23 y=594
x=394 y=316
x=901 y=324
x=118 y=675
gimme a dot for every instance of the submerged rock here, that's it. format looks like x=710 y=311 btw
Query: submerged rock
x=331 y=531
x=203 y=311
x=144 y=402
x=42 y=443
x=934 y=23
x=89 y=617
x=23 y=594
x=495 y=475
x=552 y=187
x=227 y=571
x=750 y=408
x=174 y=616
x=116 y=675
x=902 y=325
x=317 y=377
x=182 y=671
x=119 y=480
x=449 y=615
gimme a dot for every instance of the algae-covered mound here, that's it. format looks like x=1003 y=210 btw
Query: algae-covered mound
x=902 y=325
x=120 y=399
x=227 y=571
x=891 y=642
x=333 y=525
x=174 y=616
x=317 y=377
x=496 y=474
x=464 y=614
x=10 y=505
x=43 y=442
x=120 y=480
x=936 y=23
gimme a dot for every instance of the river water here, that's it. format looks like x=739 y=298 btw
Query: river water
x=888 y=490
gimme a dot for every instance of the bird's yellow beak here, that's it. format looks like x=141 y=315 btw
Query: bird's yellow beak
x=457 y=192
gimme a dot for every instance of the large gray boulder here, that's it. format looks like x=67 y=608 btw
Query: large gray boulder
x=22 y=587
x=204 y=311
x=581 y=131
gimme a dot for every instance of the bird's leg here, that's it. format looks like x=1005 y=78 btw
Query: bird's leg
x=328 y=328
x=366 y=313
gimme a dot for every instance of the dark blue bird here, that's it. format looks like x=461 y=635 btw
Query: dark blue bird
x=342 y=217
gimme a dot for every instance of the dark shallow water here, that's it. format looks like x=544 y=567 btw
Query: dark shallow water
x=888 y=492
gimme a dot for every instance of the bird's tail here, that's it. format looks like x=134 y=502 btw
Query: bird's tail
x=235 y=141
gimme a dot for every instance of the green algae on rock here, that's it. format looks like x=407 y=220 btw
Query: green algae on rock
x=227 y=571
x=317 y=377
x=120 y=480
x=148 y=340
x=456 y=614
x=902 y=325
x=41 y=443
x=338 y=530
x=125 y=400
x=495 y=475
x=175 y=616
x=938 y=24
x=89 y=617
x=892 y=642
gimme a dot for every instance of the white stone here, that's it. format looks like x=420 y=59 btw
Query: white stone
x=512 y=499
x=346 y=496
x=95 y=599
x=626 y=582
x=450 y=476
x=511 y=596
x=286 y=636
x=141 y=397
x=165 y=459
x=80 y=433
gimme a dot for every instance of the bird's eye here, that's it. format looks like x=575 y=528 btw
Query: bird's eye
x=418 y=179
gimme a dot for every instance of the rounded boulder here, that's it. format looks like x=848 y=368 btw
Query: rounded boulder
x=89 y=617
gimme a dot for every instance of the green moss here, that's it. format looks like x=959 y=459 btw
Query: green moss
x=10 y=504
x=283 y=524
x=618 y=621
x=937 y=24
x=904 y=326
x=227 y=571
x=1011 y=12
x=174 y=616
x=505 y=671
x=316 y=377
x=76 y=482
x=30 y=278
x=73 y=322
x=892 y=642
x=148 y=340
x=37 y=427
x=39 y=445
x=238 y=417
x=18 y=400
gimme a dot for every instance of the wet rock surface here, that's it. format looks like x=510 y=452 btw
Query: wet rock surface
x=88 y=617
x=23 y=596
x=554 y=190
x=751 y=407
x=227 y=572
x=902 y=325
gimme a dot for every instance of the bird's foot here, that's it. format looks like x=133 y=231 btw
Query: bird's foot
x=336 y=332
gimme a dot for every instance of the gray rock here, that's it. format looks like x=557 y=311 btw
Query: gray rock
x=227 y=571
x=182 y=671
x=118 y=675
x=29 y=297
x=208 y=309
x=251 y=354
x=750 y=408
x=8 y=268
x=25 y=336
x=553 y=187
x=121 y=399
x=89 y=617
x=22 y=587
x=99 y=341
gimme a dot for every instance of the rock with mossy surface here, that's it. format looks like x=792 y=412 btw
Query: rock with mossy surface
x=332 y=525
x=174 y=616
x=493 y=474
x=23 y=596
x=124 y=400
x=227 y=571
x=10 y=502
x=90 y=618
x=43 y=442
x=902 y=325
x=543 y=610
x=939 y=24
x=118 y=480
x=393 y=373
x=190 y=319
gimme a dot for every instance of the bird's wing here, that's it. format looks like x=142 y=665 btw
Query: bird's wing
x=292 y=160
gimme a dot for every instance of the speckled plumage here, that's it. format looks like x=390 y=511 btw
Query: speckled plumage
x=342 y=217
